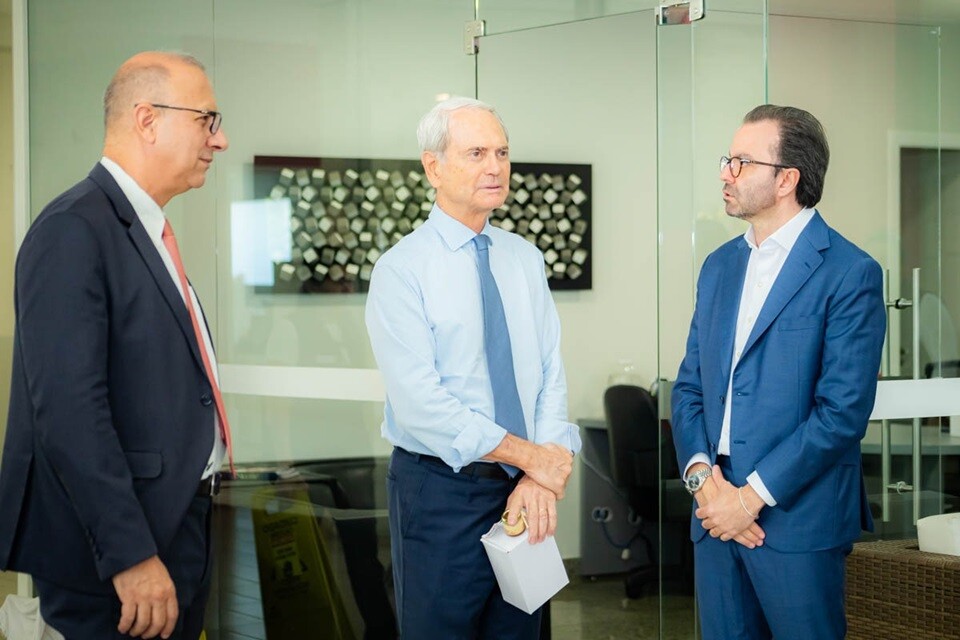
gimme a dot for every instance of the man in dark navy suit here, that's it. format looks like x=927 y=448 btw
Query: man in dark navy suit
x=116 y=430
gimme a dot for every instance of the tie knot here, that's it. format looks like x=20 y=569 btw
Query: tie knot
x=482 y=241
x=167 y=230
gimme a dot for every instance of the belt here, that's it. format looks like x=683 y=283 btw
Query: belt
x=209 y=486
x=490 y=470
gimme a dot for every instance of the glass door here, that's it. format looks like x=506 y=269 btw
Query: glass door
x=576 y=87
x=883 y=84
x=710 y=72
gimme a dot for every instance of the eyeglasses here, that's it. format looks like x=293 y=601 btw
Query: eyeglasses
x=216 y=116
x=736 y=165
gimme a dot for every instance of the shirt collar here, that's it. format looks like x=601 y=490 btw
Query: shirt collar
x=454 y=233
x=786 y=236
x=146 y=208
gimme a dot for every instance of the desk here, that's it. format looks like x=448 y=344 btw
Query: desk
x=932 y=439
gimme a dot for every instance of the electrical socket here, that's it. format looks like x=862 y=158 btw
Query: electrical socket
x=601 y=514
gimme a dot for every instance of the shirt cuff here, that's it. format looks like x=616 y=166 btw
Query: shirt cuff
x=562 y=434
x=697 y=457
x=478 y=439
x=754 y=481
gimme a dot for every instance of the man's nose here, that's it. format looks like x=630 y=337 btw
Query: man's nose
x=219 y=140
x=726 y=175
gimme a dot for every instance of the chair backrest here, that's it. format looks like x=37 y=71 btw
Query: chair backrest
x=633 y=427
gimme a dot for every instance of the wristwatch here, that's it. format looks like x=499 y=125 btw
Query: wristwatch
x=695 y=481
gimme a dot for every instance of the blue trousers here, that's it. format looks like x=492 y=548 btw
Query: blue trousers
x=759 y=594
x=85 y=616
x=444 y=585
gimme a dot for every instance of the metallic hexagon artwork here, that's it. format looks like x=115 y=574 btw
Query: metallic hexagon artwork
x=345 y=213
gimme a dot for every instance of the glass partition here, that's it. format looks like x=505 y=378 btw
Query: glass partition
x=648 y=109
x=710 y=73
x=583 y=94
x=883 y=82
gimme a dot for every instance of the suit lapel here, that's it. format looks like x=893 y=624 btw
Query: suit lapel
x=803 y=260
x=148 y=251
x=728 y=306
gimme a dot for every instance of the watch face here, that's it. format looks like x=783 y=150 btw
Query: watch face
x=694 y=482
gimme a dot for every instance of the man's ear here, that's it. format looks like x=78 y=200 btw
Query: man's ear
x=789 y=181
x=432 y=167
x=145 y=121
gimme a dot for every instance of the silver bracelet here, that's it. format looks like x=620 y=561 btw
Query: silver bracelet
x=743 y=504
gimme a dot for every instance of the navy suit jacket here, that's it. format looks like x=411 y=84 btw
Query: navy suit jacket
x=111 y=414
x=803 y=388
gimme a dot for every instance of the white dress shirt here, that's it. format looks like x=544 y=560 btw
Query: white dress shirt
x=153 y=219
x=763 y=267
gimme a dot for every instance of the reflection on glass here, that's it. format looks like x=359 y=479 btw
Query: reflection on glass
x=259 y=238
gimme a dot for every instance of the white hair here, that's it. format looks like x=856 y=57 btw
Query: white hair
x=433 y=130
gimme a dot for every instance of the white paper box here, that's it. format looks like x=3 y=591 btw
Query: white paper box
x=528 y=575
x=940 y=534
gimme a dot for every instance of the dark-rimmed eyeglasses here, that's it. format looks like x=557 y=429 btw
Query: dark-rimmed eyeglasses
x=737 y=164
x=215 y=116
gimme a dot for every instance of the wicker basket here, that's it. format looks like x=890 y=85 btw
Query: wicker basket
x=897 y=592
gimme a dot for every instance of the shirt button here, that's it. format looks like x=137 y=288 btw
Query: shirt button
x=760 y=285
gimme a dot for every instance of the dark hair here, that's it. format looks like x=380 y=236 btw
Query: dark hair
x=803 y=145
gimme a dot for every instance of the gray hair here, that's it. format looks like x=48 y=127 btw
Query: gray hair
x=137 y=82
x=433 y=130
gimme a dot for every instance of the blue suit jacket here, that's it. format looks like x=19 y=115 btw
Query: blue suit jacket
x=803 y=388
x=111 y=414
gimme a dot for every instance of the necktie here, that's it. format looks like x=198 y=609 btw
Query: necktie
x=170 y=242
x=508 y=413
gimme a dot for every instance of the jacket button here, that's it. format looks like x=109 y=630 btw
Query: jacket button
x=721 y=399
x=206 y=400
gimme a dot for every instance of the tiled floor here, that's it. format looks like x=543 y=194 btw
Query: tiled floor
x=593 y=609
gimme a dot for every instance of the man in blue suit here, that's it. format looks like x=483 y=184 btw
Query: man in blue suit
x=774 y=393
x=116 y=432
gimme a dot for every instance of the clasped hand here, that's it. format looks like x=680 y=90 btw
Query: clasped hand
x=723 y=515
x=551 y=468
x=539 y=504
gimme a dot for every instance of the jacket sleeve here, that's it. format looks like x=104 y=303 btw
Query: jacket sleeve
x=689 y=431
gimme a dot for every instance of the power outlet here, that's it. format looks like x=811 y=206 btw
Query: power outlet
x=601 y=514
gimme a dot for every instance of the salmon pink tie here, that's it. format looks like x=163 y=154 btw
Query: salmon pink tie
x=170 y=242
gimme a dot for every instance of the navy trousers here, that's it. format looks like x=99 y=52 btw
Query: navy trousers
x=444 y=585
x=85 y=616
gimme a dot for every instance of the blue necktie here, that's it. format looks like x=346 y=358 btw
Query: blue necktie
x=508 y=413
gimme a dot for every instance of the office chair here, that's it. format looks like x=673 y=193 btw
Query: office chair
x=640 y=454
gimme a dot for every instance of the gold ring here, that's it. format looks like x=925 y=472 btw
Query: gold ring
x=518 y=527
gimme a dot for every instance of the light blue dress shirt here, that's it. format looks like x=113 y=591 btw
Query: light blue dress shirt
x=424 y=315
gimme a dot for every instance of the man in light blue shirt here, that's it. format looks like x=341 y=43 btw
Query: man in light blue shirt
x=467 y=337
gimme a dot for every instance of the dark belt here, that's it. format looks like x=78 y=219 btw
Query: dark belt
x=209 y=486
x=476 y=469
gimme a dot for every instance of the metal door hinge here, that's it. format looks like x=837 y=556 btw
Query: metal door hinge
x=472 y=31
x=672 y=12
